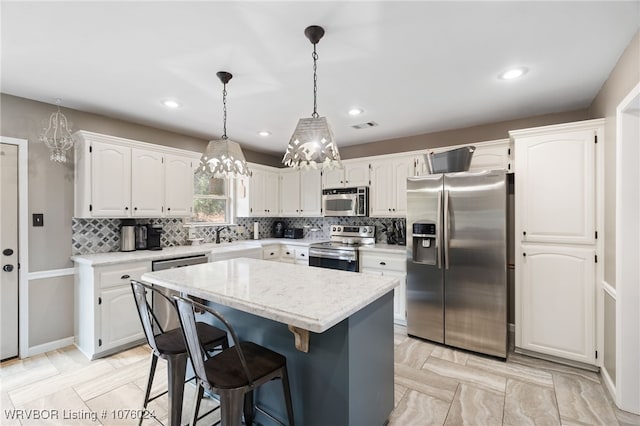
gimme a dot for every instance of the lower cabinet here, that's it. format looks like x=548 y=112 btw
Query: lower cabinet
x=394 y=265
x=286 y=253
x=555 y=301
x=106 y=319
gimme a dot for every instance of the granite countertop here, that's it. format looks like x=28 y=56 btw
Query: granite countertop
x=178 y=251
x=313 y=299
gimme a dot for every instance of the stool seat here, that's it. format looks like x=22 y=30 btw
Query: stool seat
x=224 y=370
x=172 y=342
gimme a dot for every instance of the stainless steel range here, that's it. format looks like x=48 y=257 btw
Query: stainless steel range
x=341 y=251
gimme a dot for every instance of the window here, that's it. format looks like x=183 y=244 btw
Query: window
x=211 y=200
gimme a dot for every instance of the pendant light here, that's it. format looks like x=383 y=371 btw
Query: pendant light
x=57 y=136
x=223 y=157
x=312 y=143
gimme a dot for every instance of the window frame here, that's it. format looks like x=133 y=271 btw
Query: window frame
x=230 y=205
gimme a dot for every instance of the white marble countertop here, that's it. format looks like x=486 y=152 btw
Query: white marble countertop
x=313 y=299
x=178 y=251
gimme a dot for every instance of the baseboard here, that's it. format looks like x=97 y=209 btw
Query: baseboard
x=611 y=388
x=50 y=346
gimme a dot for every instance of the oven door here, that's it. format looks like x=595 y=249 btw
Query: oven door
x=334 y=259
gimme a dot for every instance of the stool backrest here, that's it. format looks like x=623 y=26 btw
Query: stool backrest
x=198 y=355
x=147 y=317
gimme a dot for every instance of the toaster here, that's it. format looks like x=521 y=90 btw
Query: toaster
x=294 y=233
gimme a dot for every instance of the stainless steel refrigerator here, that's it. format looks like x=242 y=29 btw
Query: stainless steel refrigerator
x=457 y=260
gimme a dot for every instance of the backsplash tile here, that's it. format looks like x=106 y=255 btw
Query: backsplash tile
x=103 y=235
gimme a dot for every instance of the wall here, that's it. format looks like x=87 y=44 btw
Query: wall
x=625 y=76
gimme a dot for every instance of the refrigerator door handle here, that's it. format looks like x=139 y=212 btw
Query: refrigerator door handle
x=446 y=230
x=439 y=230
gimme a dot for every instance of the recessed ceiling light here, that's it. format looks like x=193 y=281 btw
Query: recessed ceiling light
x=264 y=133
x=356 y=111
x=170 y=103
x=513 y=73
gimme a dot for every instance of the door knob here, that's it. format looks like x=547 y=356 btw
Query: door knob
x=7 y=268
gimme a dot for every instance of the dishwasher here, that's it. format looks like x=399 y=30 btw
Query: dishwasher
x=165 y=314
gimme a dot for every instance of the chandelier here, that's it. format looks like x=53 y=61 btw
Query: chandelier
x=58 y=136
x=312 y=143
x=223 y=157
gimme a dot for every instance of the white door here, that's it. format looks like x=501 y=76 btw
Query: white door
x=310 y=193
x=556 y=301
x=120 y=319
x=555 y=187
x=147 y=178
x=110 y=180
x=290 y=193
x=178 y=177
x=9 y=250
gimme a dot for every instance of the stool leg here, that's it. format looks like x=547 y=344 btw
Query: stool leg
x=248 y=408
x=287 y=395
x=177 y=365
x=231 y=402
x=152 y=373
x=196 y=403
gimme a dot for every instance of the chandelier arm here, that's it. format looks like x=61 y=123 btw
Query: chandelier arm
x=314 y=55
x=224 y=111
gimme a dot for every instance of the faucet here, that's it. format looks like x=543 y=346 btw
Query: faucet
x=217 y=231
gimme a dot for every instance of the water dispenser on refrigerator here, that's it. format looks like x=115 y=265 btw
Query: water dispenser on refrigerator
x=425 y=246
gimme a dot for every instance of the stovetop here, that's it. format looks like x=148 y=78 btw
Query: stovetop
x=348 y=238
x=337 y=245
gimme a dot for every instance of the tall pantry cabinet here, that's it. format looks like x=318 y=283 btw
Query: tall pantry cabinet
x=558 y=215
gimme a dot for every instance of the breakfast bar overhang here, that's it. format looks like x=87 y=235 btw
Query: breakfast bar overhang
x=334 y=327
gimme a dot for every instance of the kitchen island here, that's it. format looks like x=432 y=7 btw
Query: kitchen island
x=334 y=327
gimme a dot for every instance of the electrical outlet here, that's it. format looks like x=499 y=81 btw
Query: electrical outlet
x=38 y=219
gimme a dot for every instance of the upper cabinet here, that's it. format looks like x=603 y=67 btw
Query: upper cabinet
x=489 y=155
x=121 y=178
x=300 y=193
x=388 y=195
x=353 y=173
x=258 y=195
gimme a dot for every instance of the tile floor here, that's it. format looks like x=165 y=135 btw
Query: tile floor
x=434 y=385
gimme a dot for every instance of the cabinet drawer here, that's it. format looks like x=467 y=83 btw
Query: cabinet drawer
x=382 y=262
x=287 y=253
x=271 y=253
x=115 y=275
x=302 y=254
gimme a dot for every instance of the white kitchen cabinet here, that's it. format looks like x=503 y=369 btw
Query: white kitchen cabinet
x=106 y=319
x=147 y=183
x=558 y=212
x=389 y=264
x=178 y=185
x=388 y=195
x=557 y=301
x=300 y=193
x=555 y=187
x=492 y=155
x=271 y=252
x=353 y=173
x=287 y=254
x=263 y=192
x=122 y=178
x=301 y=256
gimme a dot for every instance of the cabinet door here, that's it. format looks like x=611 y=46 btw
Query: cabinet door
x=399 y=293
x=381 y=197
x=356 y=174
x=120 y=320
x=402 y=169
x=290 y=193
x=110 y=180
x=178 y=186
x=492 y=156
x=556 y=301
x=271 y=193
x=147 y=183
x=333 y=178
x=310 y=193
x=555 y=187
x=256 y=193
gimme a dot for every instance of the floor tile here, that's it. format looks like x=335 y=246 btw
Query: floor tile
x=412 y=352
x=426 y=382
x=64 y=407
x=511 y=370
x=582 y=401
x=529 y=404
x=69 y=358
x=398 y=393
x=474 y=406
x=122 y=406
x=552 y=367
x=7 y=415
x=450 y=355
x=418 y=409
x=470 y=375
x=24 y=372
x=106 y=383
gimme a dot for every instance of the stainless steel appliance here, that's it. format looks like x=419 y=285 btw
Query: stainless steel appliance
x=153 y=237
x=128 y=235
x=345 y=201
x=166 y=315
x=141 y=237
x=341 y=252
x=457 y=260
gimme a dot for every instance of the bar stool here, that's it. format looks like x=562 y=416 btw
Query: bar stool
x=170 y=345
x=234 y=373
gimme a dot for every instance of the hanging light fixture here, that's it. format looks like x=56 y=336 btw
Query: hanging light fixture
x=223 y=157
x=58 y=136
x=312 y=142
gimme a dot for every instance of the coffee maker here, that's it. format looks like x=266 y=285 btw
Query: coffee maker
x=141 y=237
x=153 y=237
x=278 y=229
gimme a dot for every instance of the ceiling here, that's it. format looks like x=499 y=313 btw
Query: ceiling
x=413 y=67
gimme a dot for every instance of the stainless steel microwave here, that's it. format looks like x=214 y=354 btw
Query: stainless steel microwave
x=345 y=201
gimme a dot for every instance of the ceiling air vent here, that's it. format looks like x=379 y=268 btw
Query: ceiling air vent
x=365 y=125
